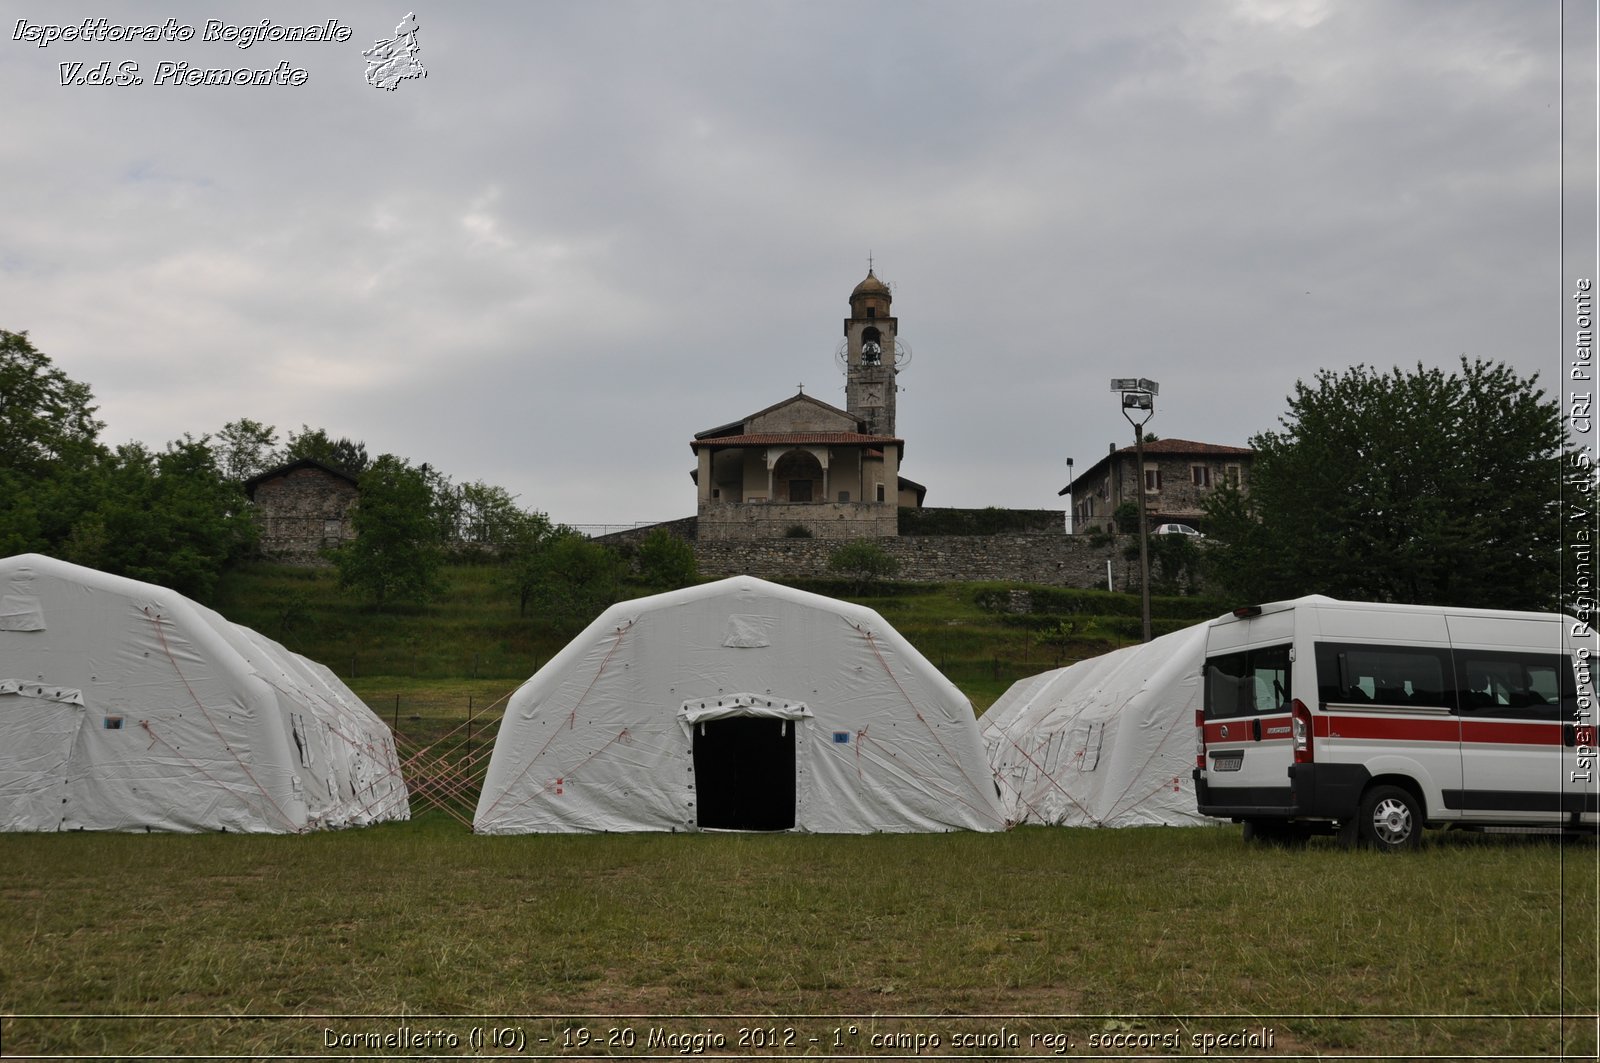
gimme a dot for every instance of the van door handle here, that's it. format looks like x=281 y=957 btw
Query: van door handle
x=1255 y=729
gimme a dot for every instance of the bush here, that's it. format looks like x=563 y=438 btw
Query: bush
x=666 y=562
x=863 y=563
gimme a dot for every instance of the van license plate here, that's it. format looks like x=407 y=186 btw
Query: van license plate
x=1227 y=761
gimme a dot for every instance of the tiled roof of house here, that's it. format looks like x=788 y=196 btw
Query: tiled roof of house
x=1186 y=446
x=1158 y=447
x=256 y=481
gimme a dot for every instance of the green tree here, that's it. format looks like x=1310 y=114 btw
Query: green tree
x=346 y=455
x=1175 y=563
x=245 y=448
x=45 y=416
x=1061 y=636
x=48 y=448
x=863 y=563
x=1419 y=487
x=487 y=515
x=396 y=554
x=574 y=579
x=524 y=556
x=666 y=562
x=171 y=518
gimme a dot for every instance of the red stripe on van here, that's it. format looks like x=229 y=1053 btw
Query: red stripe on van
x=1444 y=729
x=1506 y=733
x=1395 y=729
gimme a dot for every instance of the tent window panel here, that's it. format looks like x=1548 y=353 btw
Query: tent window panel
x=1053 y=753
x=1085 y=745
x=297 y=726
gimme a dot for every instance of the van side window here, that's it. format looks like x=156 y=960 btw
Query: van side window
x=1247 y=683
x=1515 y=686
x=1397 y=676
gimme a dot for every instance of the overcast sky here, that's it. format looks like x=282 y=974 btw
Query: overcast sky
x=597 y=228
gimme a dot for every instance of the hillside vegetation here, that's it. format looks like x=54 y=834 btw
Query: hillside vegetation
x=983 y=636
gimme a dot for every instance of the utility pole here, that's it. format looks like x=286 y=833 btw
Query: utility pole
x=1138 y=396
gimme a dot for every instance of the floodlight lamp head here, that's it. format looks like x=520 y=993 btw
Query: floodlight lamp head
x=1137 y=400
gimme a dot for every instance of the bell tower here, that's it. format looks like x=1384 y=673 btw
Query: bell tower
x=871 y=356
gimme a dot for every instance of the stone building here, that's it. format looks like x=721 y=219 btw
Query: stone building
x=804 y=464
x=1178 y=475
x=302 y=509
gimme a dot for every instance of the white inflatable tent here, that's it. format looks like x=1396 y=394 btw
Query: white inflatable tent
x=738 y=705
x=1107 y=742
x=125 y=706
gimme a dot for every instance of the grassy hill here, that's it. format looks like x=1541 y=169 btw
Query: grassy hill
x=973 y=632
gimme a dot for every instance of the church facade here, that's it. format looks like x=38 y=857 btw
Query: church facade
x=806 y=468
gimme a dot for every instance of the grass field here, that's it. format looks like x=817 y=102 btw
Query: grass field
x=1332 y=951
x=1128 y=943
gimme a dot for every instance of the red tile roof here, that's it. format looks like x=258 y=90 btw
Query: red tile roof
x=1185 y=446
x=797 y=439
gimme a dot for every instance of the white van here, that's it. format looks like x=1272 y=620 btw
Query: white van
x=1377 y=720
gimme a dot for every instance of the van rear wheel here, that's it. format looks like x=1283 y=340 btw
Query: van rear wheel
x=1390 y=820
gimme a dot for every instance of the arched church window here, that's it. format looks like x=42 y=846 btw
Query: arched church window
x=798 y=476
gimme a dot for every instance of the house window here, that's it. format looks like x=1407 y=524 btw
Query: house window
x=881 y=495
x=1201 y=474
x=1152 y=479
x=872 y=311
x=331 y=527
x=1232 y=475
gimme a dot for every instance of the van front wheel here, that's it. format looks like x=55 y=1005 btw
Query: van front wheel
x=1391 y=819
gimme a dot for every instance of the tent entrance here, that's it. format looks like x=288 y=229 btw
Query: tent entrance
x=744 y=773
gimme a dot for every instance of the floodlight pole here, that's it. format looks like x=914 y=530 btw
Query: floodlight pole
x=1140 y=395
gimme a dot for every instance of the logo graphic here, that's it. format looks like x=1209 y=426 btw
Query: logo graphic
x=392 y=61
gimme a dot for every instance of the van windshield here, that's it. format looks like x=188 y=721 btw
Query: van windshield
x=1247 y=683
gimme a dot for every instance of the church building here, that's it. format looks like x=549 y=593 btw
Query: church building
x=804 y=467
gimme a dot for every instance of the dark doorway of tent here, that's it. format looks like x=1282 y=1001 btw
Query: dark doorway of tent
x=744 y=773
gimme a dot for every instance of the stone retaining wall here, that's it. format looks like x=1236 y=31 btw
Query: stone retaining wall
x=1052 y=560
